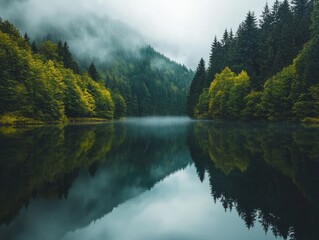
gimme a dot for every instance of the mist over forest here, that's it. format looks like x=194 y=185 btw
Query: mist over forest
x=114 y=54
x=89 y=34
x=113 y=113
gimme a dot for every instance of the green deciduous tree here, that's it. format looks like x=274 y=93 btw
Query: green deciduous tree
x=104 y=106
x=40 y=87
x=227 y=94
x=202 y=107
x=280 y=56
x=276 y=100
x=49 y=51
x=77 y=100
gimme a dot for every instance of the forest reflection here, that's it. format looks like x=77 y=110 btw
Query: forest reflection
x=123 y=159
x=44 y=161
x=268 y=173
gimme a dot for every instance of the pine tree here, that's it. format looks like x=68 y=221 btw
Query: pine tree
x=196 y=87
x=266 y=17
x=230 y=50
x=283 y=37
x=308 y=63
x=231 y=35
x=26 y=38
x=216 y=62
x=248 y=48
x=66 y=57
x=266 y=48
x=34 y=47
x=274 y=10
x=60 y=49
x=225 y=39
x=94 y=73
x=302 y=19
x=299 y=7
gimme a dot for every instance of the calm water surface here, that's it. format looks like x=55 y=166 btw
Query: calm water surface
x=160 y=178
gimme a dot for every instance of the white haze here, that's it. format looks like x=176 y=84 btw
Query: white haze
x=181 y=29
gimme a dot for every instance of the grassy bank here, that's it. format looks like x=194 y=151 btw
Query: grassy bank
x=12 y=119
x=310 y=120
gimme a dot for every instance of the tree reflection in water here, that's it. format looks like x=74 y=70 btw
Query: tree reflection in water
x=268 y=173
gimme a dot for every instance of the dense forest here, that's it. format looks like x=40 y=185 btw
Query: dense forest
x=149 y=82
x=42 y=82
x=268 y=69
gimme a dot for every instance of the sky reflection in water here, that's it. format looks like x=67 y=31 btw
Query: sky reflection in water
x=179 y=207
x=140 y=179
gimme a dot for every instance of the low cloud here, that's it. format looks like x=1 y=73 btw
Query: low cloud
x=181 y=29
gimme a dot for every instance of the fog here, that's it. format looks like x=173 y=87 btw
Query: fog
x=182 y=29
x=155 y=122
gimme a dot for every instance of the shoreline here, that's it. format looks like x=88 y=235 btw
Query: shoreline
x=29 y=122
x=20 y=122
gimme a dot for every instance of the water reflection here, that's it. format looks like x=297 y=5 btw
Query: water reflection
x=93 y=168
x=177 y=208
x=44 y=161
x=88 y=181
x=268 y=173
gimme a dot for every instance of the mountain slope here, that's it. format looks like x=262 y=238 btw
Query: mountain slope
x=150 y=83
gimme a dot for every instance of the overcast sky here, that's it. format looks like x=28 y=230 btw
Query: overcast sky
x=181 y=29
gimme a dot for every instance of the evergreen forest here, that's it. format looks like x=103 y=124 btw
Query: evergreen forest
x=42 y=82
x=268 y=69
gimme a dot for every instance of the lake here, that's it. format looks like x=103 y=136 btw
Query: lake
x=160 y=178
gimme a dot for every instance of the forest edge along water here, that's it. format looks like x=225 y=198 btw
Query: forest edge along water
x=160 y=178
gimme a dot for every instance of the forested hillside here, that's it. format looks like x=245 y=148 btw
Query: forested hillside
x=43 y=84
x=268 y=69
x=41 y=81
x=150 y=83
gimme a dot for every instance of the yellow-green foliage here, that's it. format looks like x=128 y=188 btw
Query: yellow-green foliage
x=48 y=51
x=227 y=93
x=78 y=101
x=276 y=99
x=307 y=105
x=8 y=119
x=104 y=106
x=201 y=109
x=39 y=87
x=253 y=107
x=48 y=91
x=16 y=119
x=310 y=120
x=229 y=97
x=13 y=74
x=233 y=147
x=59 y=151
x=225 y=148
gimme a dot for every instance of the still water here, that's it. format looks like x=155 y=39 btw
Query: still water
x=160 y=178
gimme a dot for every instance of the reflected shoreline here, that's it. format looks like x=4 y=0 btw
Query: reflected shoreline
x=267 y=172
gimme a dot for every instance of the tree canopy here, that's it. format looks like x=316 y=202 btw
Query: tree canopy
x=41 y=86
x=281 y=58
